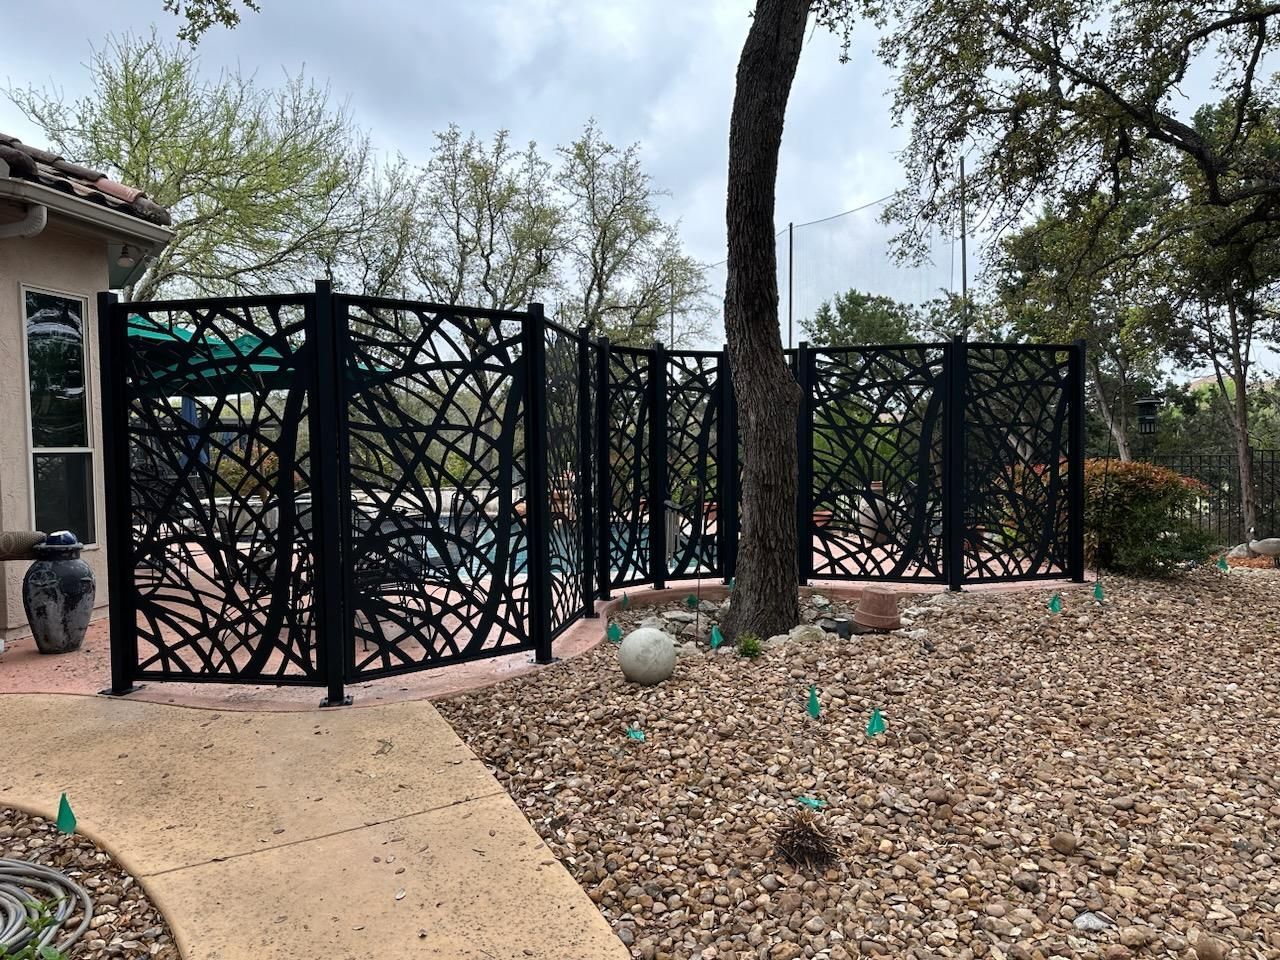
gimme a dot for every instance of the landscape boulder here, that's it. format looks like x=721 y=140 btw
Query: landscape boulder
x=647 y=656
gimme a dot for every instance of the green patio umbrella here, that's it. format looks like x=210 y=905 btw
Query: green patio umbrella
x=203 y=366
x=183 y=363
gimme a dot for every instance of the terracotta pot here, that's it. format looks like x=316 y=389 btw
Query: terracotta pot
x=877 y=608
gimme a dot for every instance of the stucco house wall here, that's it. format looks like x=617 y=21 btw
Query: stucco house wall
x=63 y=261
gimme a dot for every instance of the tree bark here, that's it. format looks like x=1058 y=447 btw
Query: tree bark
x=1244 y=457
x=765 y=598
x=1116 y=421
x=1236 y=400
x=1240 y=422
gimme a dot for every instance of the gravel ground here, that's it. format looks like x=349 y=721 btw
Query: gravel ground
x=1101 y=782
x=124 y=924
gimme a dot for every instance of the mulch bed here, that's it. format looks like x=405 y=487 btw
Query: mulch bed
x=125 y=923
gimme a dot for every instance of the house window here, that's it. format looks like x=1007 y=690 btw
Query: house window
x=61 y=450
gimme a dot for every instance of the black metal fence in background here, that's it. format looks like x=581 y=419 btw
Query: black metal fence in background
x=322 y=489
x=1219 y=511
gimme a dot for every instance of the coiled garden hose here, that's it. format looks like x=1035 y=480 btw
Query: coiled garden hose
x=27 y=887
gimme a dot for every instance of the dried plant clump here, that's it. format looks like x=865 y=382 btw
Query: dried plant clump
x=804 y=841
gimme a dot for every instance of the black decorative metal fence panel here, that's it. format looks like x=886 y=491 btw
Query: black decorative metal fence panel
x=876 y=462
x=214 y=560
x=325 y=489
x=693 y=479
x=566 y=460
x=629 y=454
x=1017 y=447
x=432 y=481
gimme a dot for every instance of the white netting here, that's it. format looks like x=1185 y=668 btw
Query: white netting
x=849 y=251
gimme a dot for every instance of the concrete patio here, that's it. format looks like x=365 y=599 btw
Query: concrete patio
x=282 y=835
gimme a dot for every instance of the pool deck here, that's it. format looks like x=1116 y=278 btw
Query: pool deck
x=88 y=670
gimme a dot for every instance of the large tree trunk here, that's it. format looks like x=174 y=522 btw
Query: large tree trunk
x=1238 y=406
x=765 y=599
x=1244 y=453
x=1244 y=457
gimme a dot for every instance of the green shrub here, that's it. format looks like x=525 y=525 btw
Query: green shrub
x=1143 y=527
x=749 y=646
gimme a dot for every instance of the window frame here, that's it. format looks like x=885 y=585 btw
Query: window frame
x=90 y=408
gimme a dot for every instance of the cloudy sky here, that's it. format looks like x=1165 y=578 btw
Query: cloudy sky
x=659 y=72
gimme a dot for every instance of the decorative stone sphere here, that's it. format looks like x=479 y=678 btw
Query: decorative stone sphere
x=647 y=656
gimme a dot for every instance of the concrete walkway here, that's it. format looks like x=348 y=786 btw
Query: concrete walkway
x=289 y=835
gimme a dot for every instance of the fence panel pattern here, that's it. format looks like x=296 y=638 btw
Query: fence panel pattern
x=432 y=482
x=1016 y=451
x=876 y=453
x=693 y=415
x=323 y=489
x=567 y=552
x=628 y=427
x=219 y=507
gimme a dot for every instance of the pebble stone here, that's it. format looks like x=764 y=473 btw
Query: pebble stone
x=125 y=925
x=1138 y=734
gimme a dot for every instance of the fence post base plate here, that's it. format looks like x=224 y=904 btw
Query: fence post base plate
x=132 y=688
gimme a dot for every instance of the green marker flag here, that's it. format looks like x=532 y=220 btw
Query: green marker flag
x=626 y=600
x=1097 y=591
x=691 y=601
x=635 y=733
x=813 y=803
x=717 y=637
x=1055 y=603
x=813 y=707
x=66 y=819
x=614 y=633
x=876 y=723
x=1222 y=562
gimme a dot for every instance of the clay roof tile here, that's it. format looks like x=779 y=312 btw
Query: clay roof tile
x=42 y=166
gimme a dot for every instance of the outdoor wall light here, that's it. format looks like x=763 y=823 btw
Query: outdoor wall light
x=1148 y=407
x=128 y=257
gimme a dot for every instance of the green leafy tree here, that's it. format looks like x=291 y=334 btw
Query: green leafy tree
x=198 y=16
x=950 y=315
x=489 y=228
x=854 y=317
x=1065 y=277
x=625 y=272
x=263 y=185
x=1062 y=100
x=1065 y=102
x=1192 y=420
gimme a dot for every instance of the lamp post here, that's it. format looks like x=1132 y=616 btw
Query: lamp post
x=1148 y=410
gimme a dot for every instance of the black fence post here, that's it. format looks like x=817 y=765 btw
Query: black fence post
x=331 y=624
x=537 y=493
x=726 y=469
x=955 y=361
x=586 y=491
x=116 y=480
x=658 y=467
x=603 y=474
x=1075 y=465
x=804 y=467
